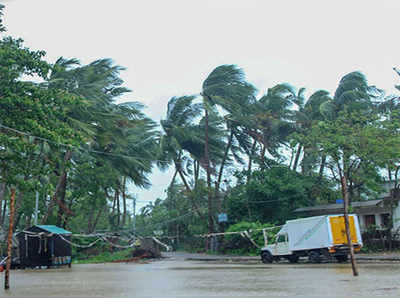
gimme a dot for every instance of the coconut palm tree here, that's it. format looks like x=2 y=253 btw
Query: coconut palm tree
x=180 y=136
x=182 y=141
x=304 y=117
x=110 y=128
x=353 y=93
x=225 y=86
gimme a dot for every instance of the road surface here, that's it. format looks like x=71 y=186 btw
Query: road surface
x=177 y=277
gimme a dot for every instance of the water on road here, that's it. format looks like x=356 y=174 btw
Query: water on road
x=175 y=277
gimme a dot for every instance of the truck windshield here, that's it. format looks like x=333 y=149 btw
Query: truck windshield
x=281 y=238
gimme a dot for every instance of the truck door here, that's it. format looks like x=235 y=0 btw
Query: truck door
x=339 y=230
x=282 y=245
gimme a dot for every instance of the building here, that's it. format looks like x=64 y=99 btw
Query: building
x=44 y=245
x=370 y=212
x=373 y=212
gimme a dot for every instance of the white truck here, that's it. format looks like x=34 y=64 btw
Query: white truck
x=313 y=237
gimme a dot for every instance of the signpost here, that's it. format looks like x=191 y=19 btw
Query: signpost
x=222 y=217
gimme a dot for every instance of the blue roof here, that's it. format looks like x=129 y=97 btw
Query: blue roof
x=53 y=229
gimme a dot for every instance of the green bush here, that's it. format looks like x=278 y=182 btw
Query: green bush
x=107 y=256
x=237 y=244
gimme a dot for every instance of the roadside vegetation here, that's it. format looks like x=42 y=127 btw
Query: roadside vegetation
x=255 y=156
x=104 y=257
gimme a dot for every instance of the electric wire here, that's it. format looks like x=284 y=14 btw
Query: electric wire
x=81 y=149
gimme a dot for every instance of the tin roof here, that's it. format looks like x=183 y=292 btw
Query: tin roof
x=359 y=204
x=53 y=229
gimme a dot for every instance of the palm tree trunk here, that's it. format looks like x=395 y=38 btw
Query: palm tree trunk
x=97 y=218
x=65 y=220
x=118 y=206
x=173 y=178
x=184 y=180
x=253 y=148
x=191 y=198
x=63 y=189
x=61 y=180
x=114 y=204
x=389 y=173
x=90 y=220
x=207 y=162
x=262 y=156
x=296 y=159
x=18 y=207
x=124 y=201
x=322 y=167
x=196 y=172
x=221 y=170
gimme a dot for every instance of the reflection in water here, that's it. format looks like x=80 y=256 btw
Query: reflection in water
x=172 y=278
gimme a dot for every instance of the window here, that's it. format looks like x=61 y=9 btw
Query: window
x=369 y=220
x=281 y=238
x=385 y=219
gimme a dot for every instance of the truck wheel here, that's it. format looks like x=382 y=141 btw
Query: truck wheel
x=293 y=259
x=341 y=258
x=314 y=257
x=266 y=257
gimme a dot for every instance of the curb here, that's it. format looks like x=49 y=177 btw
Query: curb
x=244 y=259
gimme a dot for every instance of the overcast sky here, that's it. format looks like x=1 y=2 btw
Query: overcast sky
x=170 y=46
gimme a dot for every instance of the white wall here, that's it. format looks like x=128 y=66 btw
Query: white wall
x=361 y=222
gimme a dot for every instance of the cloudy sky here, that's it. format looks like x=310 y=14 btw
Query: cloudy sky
x=170 y=46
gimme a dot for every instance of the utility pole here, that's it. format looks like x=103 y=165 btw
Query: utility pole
x=9 y=241
x=36 y=208
x=347 y=224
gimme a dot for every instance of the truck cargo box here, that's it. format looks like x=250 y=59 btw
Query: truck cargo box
x=321 y=231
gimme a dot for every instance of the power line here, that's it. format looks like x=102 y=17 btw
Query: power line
x=83 y=149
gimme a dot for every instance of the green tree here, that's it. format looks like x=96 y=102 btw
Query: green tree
x=355 y=143
x=273 y=194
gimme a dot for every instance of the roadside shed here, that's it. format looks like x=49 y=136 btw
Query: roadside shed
x=44 y=245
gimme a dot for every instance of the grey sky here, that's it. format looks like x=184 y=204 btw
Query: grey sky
x=170 y=46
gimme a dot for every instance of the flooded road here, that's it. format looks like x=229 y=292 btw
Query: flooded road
x=175 y=277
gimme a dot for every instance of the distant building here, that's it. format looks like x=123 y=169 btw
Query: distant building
x=370 y=212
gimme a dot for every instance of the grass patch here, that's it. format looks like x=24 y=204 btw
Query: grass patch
x=105 y=257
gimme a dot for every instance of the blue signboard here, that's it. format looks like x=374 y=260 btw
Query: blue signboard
x=222 y=217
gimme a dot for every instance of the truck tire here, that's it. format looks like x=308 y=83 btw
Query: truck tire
x=293 y=258
x=314 y=257
x=266 y=257
x=342 y=258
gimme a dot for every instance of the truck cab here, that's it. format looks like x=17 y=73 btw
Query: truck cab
x=273 y=252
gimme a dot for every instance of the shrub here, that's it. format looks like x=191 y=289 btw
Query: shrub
x=237 y=244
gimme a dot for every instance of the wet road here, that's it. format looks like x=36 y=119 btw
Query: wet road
x=175 y=277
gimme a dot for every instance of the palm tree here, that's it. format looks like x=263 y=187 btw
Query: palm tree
x=180 y=135
x=274 y=123
x=108 y=127
x=306 y=114
x=182 y=143
x=353 y=94
x=225 y=86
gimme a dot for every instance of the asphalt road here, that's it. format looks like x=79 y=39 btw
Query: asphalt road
x=176 y=276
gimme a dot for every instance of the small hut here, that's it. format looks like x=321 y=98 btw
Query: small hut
x=44 y=245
